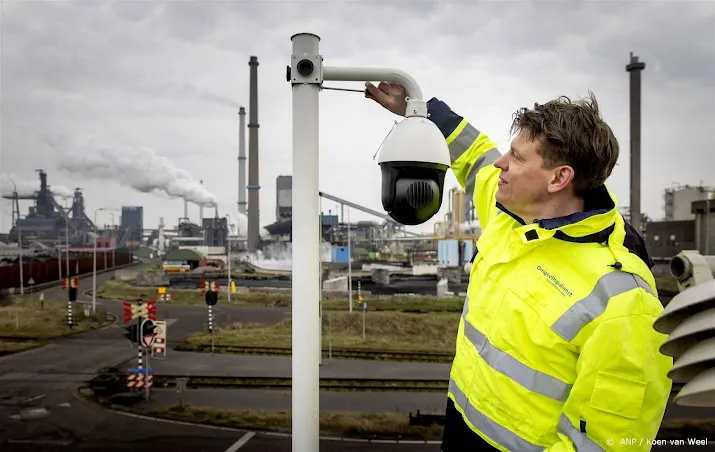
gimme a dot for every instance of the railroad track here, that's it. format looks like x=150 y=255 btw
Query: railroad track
x=342 y=353
x=284 y=384
x=116 y=381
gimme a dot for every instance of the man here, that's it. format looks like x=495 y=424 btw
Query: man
x=555 y=348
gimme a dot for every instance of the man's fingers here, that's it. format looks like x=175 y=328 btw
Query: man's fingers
x=375 y=93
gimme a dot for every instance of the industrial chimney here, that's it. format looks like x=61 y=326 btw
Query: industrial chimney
x=242 y=160
x=186 y=209
x=254 y=237
x=635 y=67
x=201 y=211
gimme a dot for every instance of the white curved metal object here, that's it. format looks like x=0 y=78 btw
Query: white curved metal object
x=687 y=303
x=700 y=391
x=694 y=361
x=689 y=322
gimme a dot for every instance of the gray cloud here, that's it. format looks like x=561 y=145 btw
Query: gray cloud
x=169 y=76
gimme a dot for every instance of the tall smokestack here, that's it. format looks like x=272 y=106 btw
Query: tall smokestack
x=242 y=160
x=635 y=67
x=201 y=211
x=253 y=202
x=186 y=209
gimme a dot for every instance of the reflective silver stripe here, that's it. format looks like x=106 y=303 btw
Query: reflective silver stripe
x=465 y=139
x=502 y=362
x=494 y=431
x=488 y=158
x=580 y=441
x=594 y=304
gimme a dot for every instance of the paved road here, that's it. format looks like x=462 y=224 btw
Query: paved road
x=39 y=409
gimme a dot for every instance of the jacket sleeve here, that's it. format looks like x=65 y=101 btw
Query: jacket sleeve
x=621 y=390
x=472 y=154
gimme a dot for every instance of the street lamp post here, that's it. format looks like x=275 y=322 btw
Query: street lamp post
x=228 y=247
x=350 y=266
x=94 y=259
x=67 y=248
x=19 y=242
x=306 y=74
x=19 y=238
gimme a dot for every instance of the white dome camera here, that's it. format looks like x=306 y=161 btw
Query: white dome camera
x=414 y=160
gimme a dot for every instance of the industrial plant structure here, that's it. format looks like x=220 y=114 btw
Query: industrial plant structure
x=383 y=241
x=47 y=222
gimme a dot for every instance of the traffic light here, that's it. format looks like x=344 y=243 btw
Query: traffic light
x=132 y=332
x=148 y=327
x=211 y=298
x=148 y=333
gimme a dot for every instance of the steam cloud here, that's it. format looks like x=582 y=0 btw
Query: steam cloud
x=139 y=168
x=186 y=90
x=29 y=187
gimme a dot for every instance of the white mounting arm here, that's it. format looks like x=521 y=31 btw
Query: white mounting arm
x=416 y=105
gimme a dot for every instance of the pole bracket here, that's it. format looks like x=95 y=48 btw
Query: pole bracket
x=305 y=69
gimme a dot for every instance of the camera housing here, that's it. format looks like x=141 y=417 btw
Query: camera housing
x=414 y=161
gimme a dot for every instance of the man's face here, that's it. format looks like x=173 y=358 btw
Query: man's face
x=523 y=182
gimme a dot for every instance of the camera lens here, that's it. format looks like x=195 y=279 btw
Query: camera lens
x=305 y=67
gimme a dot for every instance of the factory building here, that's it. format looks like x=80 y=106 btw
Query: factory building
x=47 y=222
x=284 y=198
x=689 y=223
x=382 y=241
x=678 y=201
x=132 y=225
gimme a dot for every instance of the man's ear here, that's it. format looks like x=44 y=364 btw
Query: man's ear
x=561 y=177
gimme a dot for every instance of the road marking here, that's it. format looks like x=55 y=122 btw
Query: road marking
x=241 y=442
x=170 y=322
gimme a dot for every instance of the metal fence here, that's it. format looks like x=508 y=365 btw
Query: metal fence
x=48 y=271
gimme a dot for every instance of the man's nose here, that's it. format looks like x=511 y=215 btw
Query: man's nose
x=501 y=163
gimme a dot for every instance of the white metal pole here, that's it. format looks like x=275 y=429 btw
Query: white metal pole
x=59 y=262
x=320 y=293
x=67 y=249
x=19 y=242
x=94 y=267
x=228 y=241
x=306 y=246
x=350 y=266
x=147 y=351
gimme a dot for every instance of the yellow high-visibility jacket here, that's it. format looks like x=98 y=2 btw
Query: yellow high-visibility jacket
x=556 y=349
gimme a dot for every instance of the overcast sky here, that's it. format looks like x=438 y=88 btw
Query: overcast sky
x=107 y=96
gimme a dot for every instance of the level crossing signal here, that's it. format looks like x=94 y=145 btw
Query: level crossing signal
x=133 y=311
x=210 y=289
x=210 y=286
x=73 y=285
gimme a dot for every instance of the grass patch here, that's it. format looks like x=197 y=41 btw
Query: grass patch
x=350 y=425
x=28 y=317
x=387 y=331
x=117 y=290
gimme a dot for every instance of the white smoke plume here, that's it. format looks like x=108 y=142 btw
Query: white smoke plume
x=139 y=168
x=185 y=90
x=27 y=187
